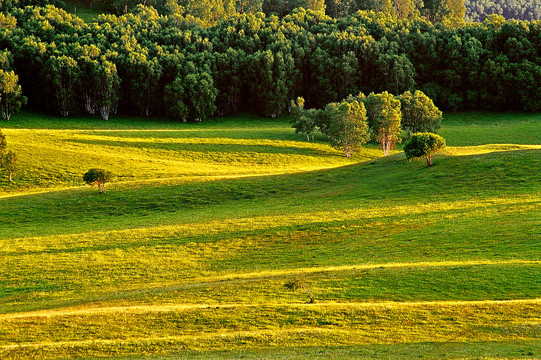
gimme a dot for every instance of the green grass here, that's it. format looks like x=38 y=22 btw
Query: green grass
x=82 y=9
x=189 y=252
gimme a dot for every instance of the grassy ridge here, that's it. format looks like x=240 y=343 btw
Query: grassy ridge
x=190 y=250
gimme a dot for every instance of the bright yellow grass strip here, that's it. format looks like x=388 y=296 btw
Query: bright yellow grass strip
x=486 y=149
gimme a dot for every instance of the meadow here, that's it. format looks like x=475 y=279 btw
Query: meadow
x=192 y=251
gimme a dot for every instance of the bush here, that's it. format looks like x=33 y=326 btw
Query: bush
x=423 y=145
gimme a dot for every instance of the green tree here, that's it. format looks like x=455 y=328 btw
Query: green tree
x=303 y=120
x=348 y=128
x=384 y=116
x=419 y=114
x=8 y=163
x=98 y=177
x=201 y=95
x=423 y=145
x=11 y=98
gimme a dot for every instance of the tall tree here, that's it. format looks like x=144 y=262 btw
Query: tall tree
x=383 y=112
x=419 y=114
x=348 y=127
x=8 y=162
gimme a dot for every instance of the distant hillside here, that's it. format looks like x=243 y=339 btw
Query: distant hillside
x=477 y=10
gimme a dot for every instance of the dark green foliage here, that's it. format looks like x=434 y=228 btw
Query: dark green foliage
x=304 y=121
x=423 y=145
x=98 y=177
x=192 y=95
x=62 y=75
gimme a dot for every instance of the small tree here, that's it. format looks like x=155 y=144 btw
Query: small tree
x=98 y=177
x=300 y=283
x=9 y=163
x=3 y=143
x=11 y=98
x=423 y=145
x=303 y=120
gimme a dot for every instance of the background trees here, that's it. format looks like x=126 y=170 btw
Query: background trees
x=152 y=64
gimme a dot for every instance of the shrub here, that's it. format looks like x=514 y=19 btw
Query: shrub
x=98 y=177
x=423 y=145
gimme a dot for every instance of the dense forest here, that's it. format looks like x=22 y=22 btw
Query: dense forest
x=148 y=63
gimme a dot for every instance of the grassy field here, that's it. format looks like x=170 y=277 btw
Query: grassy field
x=191 y=251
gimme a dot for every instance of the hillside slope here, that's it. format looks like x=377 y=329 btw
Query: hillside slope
x=195 y=260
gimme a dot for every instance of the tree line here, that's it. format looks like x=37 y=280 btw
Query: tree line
x=151 y=64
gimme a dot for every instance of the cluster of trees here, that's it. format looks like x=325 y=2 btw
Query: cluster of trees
x=8 y=160
x=152 y=64
x=355 y=120
x=478 y=10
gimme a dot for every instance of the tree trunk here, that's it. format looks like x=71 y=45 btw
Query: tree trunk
x=10 y=176
x=429 y=160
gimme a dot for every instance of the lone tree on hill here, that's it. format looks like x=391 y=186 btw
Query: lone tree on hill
x=8 y=163
x=423 y=145
x=98 y=177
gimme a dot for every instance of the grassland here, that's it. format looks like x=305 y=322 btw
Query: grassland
x=188 y=254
